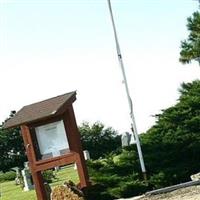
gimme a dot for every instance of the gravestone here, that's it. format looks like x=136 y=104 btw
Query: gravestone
x=17 y=179
x=28 y=184
x=57 y=168
x=125 y=139
x=195 y=177
x=133 y=140
x=86 y=154
x=26 y=165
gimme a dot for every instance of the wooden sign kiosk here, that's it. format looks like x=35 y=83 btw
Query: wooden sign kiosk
x=51 y=138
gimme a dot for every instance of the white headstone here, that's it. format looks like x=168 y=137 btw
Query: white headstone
x=57 y=168
x=26 y=165
x=17 y=179
x=125 y=139
x=75 y=166
x=27 y=180
x=133 y=140
x=86 y=154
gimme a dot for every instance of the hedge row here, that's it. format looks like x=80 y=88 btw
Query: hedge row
x=8 y=176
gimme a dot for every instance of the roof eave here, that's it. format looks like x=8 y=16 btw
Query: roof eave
x=57 y=112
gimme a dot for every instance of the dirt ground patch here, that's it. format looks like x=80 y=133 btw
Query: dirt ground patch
x=188 y=193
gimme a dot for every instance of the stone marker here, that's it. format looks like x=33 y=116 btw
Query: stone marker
x=86 y=156
x=125 y=139
x=28 y=184
x=17 y=179
x=195 y=177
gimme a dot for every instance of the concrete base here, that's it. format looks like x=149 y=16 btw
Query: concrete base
x=134 y=198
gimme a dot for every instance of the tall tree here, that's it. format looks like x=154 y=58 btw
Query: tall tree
x=171 y=151
x=98 y=139
x=190 y=48
x=172 y=144
x=11 y=148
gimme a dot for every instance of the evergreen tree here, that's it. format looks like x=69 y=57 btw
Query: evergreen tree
x=172 y=145
x=190 y=48
x=11 y=148
x=170 y=148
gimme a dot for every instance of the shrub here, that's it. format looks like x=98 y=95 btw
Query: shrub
x=97 y=192
x=158 y=180
x=133 y=188
x=8 y=176
x=48 y=176
x=128 y=189
x=108 y=181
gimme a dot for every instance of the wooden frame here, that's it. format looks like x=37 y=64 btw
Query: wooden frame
x=74 y=156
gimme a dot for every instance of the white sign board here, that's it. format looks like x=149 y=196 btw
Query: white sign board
x=52 y=138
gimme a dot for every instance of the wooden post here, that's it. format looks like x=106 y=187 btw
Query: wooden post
x=37 y=177
x=82 y=171
x=75 y=145
x=39 y=185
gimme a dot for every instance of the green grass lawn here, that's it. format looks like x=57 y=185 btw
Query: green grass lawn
x=9 y=191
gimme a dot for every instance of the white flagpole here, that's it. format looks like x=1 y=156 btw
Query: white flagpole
x=133 y=125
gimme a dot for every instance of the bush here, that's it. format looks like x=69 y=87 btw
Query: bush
x=129 y=189
x=158 y=180
x=108 y=180
x=48 y=176
x=8 y=176
x=97 y=192
x=118 y=174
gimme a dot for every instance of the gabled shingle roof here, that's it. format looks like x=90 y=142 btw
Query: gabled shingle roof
x=40 y=110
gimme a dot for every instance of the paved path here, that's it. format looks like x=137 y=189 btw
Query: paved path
x=189 y=193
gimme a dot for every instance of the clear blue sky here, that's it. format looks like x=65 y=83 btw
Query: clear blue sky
x=51 y=47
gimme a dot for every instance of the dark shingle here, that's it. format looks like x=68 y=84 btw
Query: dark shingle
x=40 y=110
